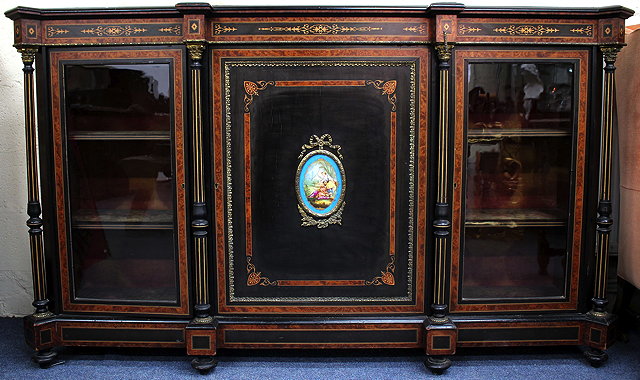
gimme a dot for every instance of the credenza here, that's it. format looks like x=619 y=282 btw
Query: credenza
x=206 y=177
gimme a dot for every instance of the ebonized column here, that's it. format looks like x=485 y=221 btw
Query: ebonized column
x=604 y=221
x=38 y=270
x=199 y=222
x=600 y=319
x=201 y=331
x=439 y=327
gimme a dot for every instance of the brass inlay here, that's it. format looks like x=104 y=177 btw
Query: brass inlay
x=587 y=30
x=388 y=88
x=420 y=29
x=251 y=89
x=54 y=31
x=114 y=30
x=526 y=30
x=176 y=29
x=221 y=29
x=387 y=276
x=319 y=29
x=464 y=29
x=256 y=278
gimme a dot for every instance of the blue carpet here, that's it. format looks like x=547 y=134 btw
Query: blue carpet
x=556 y=363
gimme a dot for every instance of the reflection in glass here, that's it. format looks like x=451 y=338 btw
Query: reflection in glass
x=117 y=97
x=518 y=179
x=504 y=262
x=121 y=181
x=520 y=95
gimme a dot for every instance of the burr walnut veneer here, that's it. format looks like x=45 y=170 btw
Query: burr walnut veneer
x=219 y=177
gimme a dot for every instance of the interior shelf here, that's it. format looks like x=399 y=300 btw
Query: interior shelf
x=123 y=219
x=120 y=135
x=537 y=132
x=514 y=218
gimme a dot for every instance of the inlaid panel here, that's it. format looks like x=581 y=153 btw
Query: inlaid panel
x=312 y=216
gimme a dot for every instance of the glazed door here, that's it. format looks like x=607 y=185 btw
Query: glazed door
x=119 y=172
x=519 y=173
x=320 y=180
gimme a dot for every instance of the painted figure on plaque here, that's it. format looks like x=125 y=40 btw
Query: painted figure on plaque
x=321 y=182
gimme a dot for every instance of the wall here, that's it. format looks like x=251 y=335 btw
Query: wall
x=15 y=266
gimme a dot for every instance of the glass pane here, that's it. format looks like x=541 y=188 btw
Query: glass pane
x=518 y=179
x=517 y=175
x=124 y=264
x=117 y=97
x=520 y=95
x=126 y=181
x=508 y=262
x=121 y=181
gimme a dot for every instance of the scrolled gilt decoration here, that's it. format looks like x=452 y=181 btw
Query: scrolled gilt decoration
x=320 y=223
x=252 y=89
x=28 y=55
x=387 y=276
x=320 y=142
x=388 y=88
x=195 y=50
x=255 y=278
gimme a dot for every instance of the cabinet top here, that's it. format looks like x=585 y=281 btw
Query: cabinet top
x=453 y=22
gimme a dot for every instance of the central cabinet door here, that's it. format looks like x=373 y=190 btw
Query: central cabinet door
x=320 y=180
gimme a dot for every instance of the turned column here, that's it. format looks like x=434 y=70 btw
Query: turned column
x=441 y=333
x=199 y=222
x=38 y=270
x=604 y=221
x=442 y=222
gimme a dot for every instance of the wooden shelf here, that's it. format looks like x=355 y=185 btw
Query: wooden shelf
x=495 y=134
x=514 y=218
x=120 y=135
x=122 y=219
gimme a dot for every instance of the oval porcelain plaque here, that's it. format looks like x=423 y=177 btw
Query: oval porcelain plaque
x=321 y=183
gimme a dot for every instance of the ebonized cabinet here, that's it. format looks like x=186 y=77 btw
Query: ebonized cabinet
x=213 y=177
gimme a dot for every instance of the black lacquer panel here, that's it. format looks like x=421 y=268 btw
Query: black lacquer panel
x=274 y=107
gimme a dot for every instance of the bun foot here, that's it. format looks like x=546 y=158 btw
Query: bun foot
x=596 y=357
x=46 y=358
x=437 y=364
x=204 y=364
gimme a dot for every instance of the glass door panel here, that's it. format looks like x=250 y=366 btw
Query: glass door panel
x=119 y=153
x=517 y=160
x=121 y=181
